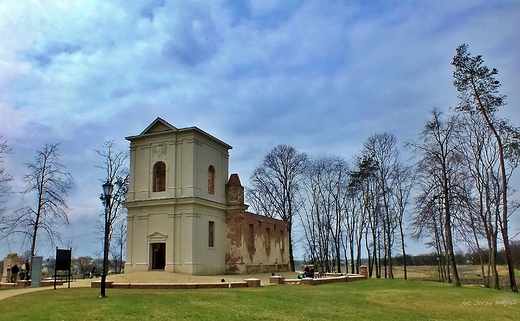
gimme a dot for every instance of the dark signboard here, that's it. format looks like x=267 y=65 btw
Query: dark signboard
x=63 y=259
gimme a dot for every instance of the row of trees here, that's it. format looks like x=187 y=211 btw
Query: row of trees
x=47 y=185
x=460 y=180
x=461 y=258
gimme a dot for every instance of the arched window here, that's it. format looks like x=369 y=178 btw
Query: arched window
x=211 y=180
x=159 y=177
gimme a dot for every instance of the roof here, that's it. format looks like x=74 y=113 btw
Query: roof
x=266 y=219
x=160 y=126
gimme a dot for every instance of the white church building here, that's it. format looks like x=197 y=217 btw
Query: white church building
x=186 y=214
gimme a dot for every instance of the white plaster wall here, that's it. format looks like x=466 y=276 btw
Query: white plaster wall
x=180 y=214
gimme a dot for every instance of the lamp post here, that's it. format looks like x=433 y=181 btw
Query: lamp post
x=107 y=193
x=439 y=267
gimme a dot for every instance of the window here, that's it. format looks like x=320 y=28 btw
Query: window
x=251 y=235
x=282 y=247
x=211 y=180
x=268 y=239
x=159 y=177
x=211 y=234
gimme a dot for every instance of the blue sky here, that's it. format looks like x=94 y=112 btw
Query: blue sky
x=318 y=75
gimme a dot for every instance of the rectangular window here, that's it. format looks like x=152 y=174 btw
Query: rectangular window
x=211 y=234
x=267 y=238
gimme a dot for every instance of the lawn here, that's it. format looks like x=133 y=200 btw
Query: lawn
x=363 y=300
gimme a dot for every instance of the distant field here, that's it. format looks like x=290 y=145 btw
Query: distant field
x=469 y=274
x=374 y=299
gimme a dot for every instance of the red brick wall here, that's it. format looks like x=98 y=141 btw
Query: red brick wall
x=256 y=242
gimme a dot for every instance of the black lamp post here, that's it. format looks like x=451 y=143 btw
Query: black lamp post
x=107 y=193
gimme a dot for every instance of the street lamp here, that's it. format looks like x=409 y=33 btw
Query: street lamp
x=108 y=187
x=439 y=267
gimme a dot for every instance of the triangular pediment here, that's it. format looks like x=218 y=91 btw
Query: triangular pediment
x=157 y=236
x=159 y=125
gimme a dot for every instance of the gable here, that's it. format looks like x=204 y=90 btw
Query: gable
x=159 y=125
x=157 y=237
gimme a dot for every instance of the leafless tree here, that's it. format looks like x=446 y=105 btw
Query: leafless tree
x=428 y=218
x=326 y=186
x=5 y=178
x=478 y=94
x=276 y=183
x=354 y=225
x=363 y=207
x=315 y=221
x=119 y=242
x=404 y=178
x=115 y=166
x=439 y=162
x=382 y=148
x=48 y=183
x=481 y=161
x=84 y=264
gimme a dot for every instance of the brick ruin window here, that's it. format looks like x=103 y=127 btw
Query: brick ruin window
x=251 y=236
x=211 y=180
x=211 y=234
x=159 y=177
x=267 y=238
x=281 y=241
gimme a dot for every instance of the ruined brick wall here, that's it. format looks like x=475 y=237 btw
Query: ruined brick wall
x=256 y=243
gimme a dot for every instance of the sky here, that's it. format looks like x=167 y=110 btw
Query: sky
x=318 y=75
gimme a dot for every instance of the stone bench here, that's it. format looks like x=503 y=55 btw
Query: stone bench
x=7 y=285
x=276 y=279
x=292 y=281
x=173 y=286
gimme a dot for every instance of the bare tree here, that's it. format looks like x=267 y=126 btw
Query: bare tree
x=276 y=183
x=478 y=93
x=404 y=178
x=316 y=220
x=115 y=165
x=48 y=183
x=481 y=160
x=361 y=187
x=383 y=150
x=119 y=242
x=439 y=164
x=326 y=186
x=5 y=178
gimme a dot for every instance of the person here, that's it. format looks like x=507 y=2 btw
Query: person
x=14 y=273
x=27 y=271
x=93 y=272
x=311 y=272
x=306 y=271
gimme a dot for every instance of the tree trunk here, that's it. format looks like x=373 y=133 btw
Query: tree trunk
x=403 y=249
x=291 y=257
x=504 y=226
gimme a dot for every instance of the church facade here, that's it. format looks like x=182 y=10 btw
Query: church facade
x=186 y=214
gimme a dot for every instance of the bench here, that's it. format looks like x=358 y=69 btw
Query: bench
x=87 y=275
x=65 y=277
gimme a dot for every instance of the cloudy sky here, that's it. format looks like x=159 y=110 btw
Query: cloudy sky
x=318 y=75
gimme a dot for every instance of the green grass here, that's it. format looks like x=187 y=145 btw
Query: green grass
x=362 y=300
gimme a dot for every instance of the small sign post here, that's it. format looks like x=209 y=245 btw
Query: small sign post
x=63 y=259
